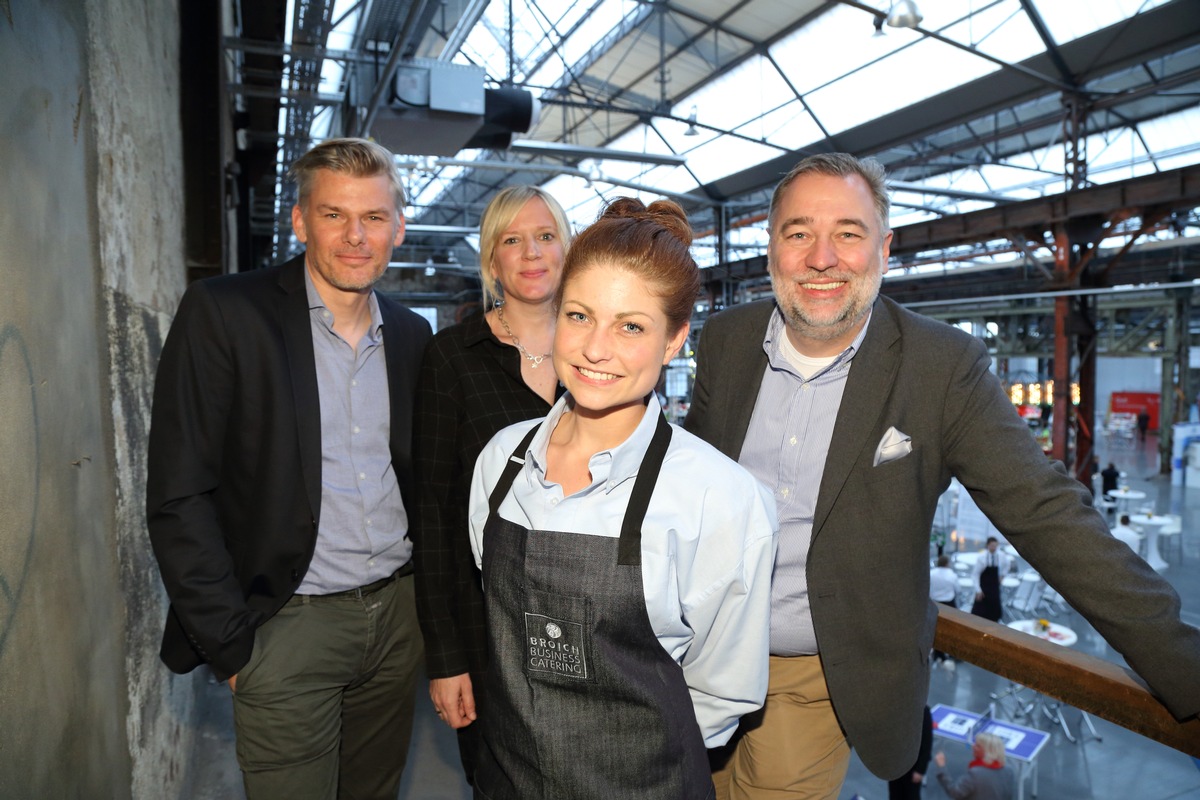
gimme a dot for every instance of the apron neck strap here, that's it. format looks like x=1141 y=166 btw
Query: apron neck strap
x=515 y=462
x=629 y=551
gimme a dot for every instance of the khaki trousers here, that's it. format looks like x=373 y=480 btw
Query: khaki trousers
x=792 y=747
x=324 y=707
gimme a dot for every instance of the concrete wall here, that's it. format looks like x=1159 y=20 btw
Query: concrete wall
x=91 y=264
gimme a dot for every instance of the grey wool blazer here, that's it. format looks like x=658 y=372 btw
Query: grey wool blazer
x=868 y=563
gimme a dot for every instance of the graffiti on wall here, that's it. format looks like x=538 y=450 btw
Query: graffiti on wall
x=19 y=473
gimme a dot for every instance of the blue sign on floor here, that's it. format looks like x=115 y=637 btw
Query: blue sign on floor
x=961 y=725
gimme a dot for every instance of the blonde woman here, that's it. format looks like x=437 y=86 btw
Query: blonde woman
x=987 y=776
x=487 y=372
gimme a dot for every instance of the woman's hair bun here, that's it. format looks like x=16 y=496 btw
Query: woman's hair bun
x=665 y=213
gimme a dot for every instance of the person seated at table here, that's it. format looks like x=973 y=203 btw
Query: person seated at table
x=987 y=778
x=626 y=563
x=1127 y=534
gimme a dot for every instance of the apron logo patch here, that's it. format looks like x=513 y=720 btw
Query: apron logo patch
x=555 y=646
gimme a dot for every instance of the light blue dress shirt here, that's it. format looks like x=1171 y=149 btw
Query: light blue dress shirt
x=708 y=542
x=785 y=447
x=362 y=527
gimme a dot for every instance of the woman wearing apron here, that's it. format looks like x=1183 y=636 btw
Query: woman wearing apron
x=626 y=564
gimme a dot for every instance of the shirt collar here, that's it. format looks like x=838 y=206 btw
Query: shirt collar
x=315 y=302
x=775 y=330
x=609 y=467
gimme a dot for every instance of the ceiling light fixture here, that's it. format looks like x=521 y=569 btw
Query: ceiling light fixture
x=691 y=130
x=879 y=20
x=904 y=14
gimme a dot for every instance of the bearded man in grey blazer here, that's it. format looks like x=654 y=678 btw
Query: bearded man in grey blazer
x=857 y=413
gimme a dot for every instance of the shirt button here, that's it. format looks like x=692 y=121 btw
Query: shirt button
x=554 y=501
x=371 y=563
x=325 y=314
x=354 y=383
x=356 y=429
x=362 y=476
x=792 y=441
x=784 y=492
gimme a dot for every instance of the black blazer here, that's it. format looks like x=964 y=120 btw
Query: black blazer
x=868 y=563
x=233 y=489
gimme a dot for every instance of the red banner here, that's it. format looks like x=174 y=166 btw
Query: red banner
x=1133 y=402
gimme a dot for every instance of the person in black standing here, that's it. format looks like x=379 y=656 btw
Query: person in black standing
x=1109 y=477
x=1143 y=423
x=990 y=567
x=908 y=786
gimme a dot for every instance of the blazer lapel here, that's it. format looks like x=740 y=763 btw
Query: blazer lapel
x=872 y=373
x=296 y=326
x=397 y=353
x=740 y=392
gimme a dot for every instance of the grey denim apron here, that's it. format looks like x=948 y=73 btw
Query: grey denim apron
x=582 y=701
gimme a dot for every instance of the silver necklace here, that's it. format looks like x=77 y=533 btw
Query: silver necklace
x=533 y=360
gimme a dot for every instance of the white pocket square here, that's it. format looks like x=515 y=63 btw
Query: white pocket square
x=892 y=446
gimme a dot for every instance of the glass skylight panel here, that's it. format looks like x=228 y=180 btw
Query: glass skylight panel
x=1071 y=19
x=604 y=18
x=740 y=95
x=577 y=197
x=1008 y=180
x=1001 y=29
x=725 y=156
x=536 y=26
x=346 y=14
x=903 y=78
x=790 y=126
x=964 y=180
x=1174 y=133
x=839 y=41
x=669 y=179
x=675 y=134
x=644 y=139
x=425 y=189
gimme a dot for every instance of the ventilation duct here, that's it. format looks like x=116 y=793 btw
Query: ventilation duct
x=438 y=109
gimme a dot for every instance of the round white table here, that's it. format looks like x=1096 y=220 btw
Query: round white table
x=1125 y=498
x=1059 y=634
x=1150 y=525
x=967 y=557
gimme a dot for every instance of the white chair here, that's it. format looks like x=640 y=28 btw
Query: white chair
x=1025 y=597
x=1171 y=534
x=1106 y=507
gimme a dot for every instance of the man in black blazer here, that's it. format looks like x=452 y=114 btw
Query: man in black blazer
x=279 y=475
x=857 y=413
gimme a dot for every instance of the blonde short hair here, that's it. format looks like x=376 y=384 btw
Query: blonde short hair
x=991 y=748
x=499 y=214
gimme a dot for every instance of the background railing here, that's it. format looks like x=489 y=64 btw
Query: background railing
x=1085 y=682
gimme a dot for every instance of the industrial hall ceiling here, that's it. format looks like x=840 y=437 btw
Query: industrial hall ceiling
x=1032 y=146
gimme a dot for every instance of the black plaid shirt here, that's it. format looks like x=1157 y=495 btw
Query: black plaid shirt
x=470 y=388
